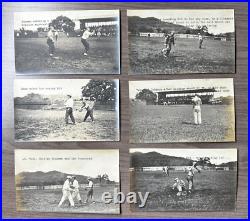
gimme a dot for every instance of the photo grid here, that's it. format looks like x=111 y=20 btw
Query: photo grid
x=83 y=108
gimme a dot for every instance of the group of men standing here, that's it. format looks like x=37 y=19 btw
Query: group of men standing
x=87 y=103
x=70 y=191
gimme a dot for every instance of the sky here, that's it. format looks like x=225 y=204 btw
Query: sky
x=103 y=161
x=217 y=156
x=19 y=17
x=180 y=16
x=22 y=87
x=226 y=85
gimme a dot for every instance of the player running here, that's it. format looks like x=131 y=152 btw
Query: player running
x=169 y=41
x=84 y=41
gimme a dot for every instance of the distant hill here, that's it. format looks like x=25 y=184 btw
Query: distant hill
x=49 y=178
x=231 y=165
x=150 y=159
x=31 y=98
x=151 y=24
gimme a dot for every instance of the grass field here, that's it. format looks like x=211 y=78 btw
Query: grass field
x=174 y=123
x=47 y=201
x=49 y=125
x=213 y=191
x=215 y=56
x=32 y=56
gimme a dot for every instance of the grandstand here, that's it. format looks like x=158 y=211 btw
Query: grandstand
x=185 y=96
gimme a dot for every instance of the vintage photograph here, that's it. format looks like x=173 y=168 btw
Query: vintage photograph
x=66 y=110
x=66 y=180
x=181 y=41
x=77 y=42
x=187 y=110
x=184 y=179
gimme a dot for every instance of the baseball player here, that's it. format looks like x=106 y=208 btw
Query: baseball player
x=180 y=186
x=165 y=170
x=169 y=41
x=66 y=193
x=197 y=109
x=69 y=109
x=75 y=187
x=84 y=41
x=200 y=40
x=90 y=188
x=89 y=105
x=50 y=41
x=190 y=176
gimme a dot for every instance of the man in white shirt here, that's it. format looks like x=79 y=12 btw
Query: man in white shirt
x=66 y=193
x=84 y=41
x=69 y=109
x=200 y=40
x=197 y=109
x=50 y=41
x=90 y=190
x=75 y=187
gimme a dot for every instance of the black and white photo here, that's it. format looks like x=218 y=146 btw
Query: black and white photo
x=66 y=180
x=181 y=41
x=187 y=110
x=66 y=110
x=69 y=42
x=197 y=179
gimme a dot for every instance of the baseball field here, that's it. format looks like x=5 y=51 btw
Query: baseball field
x=174 y=123
x=44 y=125
x=47 y=201
x=31 y=56
x=213 y=191
x=214 y=57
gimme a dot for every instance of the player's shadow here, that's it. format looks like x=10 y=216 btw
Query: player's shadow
x=188 y=123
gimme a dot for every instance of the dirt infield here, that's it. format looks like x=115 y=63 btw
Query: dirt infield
x=186 y=57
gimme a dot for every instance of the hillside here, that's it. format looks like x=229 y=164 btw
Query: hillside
x=151 y=24
x=48 y=178
x=156 y=159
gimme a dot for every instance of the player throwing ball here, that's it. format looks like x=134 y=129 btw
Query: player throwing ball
x=84 y=41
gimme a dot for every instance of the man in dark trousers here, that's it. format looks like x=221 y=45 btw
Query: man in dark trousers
x=89 y=106
x=69 y=109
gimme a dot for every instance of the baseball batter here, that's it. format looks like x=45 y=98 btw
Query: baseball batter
x=84 y=41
